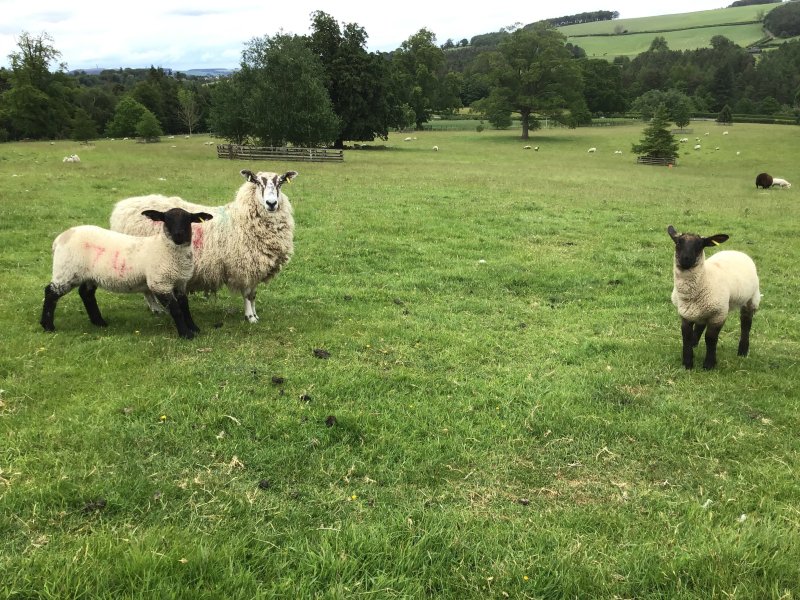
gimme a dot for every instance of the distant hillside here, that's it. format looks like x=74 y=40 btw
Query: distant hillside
x=743 y=25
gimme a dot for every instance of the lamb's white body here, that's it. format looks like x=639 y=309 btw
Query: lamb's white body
x=777 y=181
x=724 y=282
x=705 y=291
x=118 y=262
x=245 y=244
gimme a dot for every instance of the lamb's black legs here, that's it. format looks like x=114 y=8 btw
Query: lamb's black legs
x=687 y=333
x=90 y=302
x=176 y=310
x=698 y=333
x=747 y=321
x=49 y=308
x=712 y=335
x=183 y=302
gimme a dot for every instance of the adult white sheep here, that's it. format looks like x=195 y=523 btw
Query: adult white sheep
x=697 y=146
x=706 y=290
x=88 y=257
x=248 y=242
x=777 y=181
x=592 y=150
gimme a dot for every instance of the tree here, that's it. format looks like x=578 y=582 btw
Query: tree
x=228 y=116
x=725 y=115
x=83 y=127
x=657 y=142
x=532 y=70
x=416 y=65
x=127 y=115
x=357 y=82
x=602 y=86
x=148 y=127
x=189 y=109
x=678 y=104
x=38 y=103
x=285 y=96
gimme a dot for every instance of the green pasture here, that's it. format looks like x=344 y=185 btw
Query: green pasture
x=685 y=31
x=502 y=413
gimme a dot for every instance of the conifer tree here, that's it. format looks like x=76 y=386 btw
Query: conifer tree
x=658 y=141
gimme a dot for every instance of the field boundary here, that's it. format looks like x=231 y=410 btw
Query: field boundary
x=234 y=151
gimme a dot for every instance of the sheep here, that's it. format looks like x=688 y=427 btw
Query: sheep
x=764 y=180
x=592 y=150
x=617 y=151
x=526 y=147
x=436 y=148
x=683 y=140
x=536 y=148
x=778 y=182
x=706 y=290
x=88 y=257
x=724 y=133
x=249 y=242
x=697 y=146
x=73 y=158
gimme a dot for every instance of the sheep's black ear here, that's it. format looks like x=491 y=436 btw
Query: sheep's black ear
x=288 y=176
x=247 y=174
x=672 y=233
x=155 y=215
x=201 y=216
x=715 y=240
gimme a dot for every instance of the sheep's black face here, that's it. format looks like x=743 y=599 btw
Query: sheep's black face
x=689 y=247
x=178 y=223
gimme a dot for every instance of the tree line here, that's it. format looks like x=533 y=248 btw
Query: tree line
x=325 y=88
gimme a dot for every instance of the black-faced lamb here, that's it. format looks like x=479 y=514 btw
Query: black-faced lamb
x=88 y=257
x=706 y=290
x=248 y=242
x=764 y=180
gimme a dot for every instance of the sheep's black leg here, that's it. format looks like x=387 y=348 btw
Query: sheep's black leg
x=183 y=302
x=747 y=321
x=49 y=307
x=712 y=335
x=699 y=328
x=90 y=302
x=687 y=333
x=174 y=308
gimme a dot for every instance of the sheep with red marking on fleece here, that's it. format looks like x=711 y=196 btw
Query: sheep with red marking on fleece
x=88 y=257
x=705 y=291
x=249 y=241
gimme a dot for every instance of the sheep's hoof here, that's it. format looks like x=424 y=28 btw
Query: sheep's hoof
x=251 y=318
x=188 y=335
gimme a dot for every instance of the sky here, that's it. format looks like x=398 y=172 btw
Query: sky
x=202 y=34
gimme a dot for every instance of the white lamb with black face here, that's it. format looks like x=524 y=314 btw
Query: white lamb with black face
x=248 y=242
x=705 y=291
x=88 y=257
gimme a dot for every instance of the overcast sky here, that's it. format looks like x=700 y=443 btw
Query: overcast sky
x=187 y=34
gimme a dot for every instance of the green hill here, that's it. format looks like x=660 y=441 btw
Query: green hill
x=686 y=31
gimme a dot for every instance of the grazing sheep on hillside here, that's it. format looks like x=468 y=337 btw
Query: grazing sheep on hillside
x=763 y=180
x=536 y=148
x=592 y=150
x=683 y=140
x=724 y=133
x=697 y=146
x=73 y=158
x=89 y=257
x=705 y=291
x=778 y=182
x=248 y=242
x=526 y=147
x=436 y=148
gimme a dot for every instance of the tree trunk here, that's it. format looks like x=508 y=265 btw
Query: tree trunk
x=525 y=116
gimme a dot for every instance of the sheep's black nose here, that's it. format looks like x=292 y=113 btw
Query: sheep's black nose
x=271 y=206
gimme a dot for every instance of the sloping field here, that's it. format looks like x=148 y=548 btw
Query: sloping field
x=685 y=31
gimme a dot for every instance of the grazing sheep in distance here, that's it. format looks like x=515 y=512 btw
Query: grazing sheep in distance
x=705 y=291
x=248 y=242
x=73 y=158
x=777 y=181
x=724 y=133
x=683 y=140
x=763 y=180
x=436 y=148
x=88 y=257
x=592 y=150
x=697 y=146
x=617 y=151
x=536 y=148
x=526 y=147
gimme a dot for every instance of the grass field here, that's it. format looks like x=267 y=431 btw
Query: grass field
x=503 y=412
x=685 y=31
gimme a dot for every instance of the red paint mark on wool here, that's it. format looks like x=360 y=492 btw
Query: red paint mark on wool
x=197 y=236
x=120 y=265
x=98 y=251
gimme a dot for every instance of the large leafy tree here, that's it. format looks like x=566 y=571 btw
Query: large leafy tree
x=127 y=115
x=603 y=88
x=533 y=71
x=38 y=103
x=417 y=66
x=285 y=97
x=357 y=81
x=228 y=116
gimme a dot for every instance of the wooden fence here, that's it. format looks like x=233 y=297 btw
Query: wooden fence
x=234 y=152
x=652 y=160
